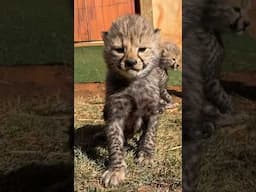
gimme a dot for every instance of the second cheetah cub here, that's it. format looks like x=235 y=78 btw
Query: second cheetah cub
x=170 y=59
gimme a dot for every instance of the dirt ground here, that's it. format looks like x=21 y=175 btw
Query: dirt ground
x=36 y=80
x=98 y=89
x=32 y=80
x=246 y=78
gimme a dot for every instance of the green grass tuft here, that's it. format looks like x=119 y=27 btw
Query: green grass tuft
x=89 y=64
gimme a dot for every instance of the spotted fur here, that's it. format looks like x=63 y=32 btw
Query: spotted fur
x=170 y=59
x=131 y=46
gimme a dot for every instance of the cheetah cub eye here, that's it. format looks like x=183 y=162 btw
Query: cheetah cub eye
x=120 y=50
x=142 y=49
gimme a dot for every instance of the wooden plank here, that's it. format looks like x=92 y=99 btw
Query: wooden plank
x=146 y=10
x=167 y=15
x=89 y=44
x=91 y=18
x=94 y=16
x=99 y=22
x=80 y=21
x=252 y=17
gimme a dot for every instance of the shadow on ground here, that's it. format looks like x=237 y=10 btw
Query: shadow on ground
x=40 y=178
x=90 y=136
x=240 y=88
x=177 y=93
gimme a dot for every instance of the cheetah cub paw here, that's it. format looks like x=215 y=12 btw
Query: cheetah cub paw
x=144 y=159
x=113 y=176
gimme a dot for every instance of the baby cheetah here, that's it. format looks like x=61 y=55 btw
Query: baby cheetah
x=131 y=47
x=170 y=56
x=170 y=59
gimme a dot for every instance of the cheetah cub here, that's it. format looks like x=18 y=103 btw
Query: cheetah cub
x=170 y=59
x=131 y=47
x=170 y=56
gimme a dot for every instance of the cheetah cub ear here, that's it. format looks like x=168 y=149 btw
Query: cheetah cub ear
x=157 y=30
x=157 y=33
x=165 y=52
x=104 y=35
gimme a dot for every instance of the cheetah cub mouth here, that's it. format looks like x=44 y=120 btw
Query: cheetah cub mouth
x=131 y=66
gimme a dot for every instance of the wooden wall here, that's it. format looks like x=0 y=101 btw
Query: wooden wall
x=91 y=17
x=252 y=17
x=167 y=15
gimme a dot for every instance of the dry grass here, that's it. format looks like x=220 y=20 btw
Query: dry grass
x=33 y=130
x=228 y=161
x=163 y=175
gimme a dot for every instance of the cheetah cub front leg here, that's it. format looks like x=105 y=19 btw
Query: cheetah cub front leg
x=147 y=141
x=116 y=171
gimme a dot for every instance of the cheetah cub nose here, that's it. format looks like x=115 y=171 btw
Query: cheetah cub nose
x=130 y=62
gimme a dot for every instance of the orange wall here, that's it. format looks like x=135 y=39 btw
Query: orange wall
x=91 y=17
x=167 y=15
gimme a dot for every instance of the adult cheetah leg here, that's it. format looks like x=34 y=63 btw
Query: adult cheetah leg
x=147 y=141
x=117 y=167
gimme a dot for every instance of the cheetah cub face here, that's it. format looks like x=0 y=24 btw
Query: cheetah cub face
x=171 y=56
x=131 y=46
